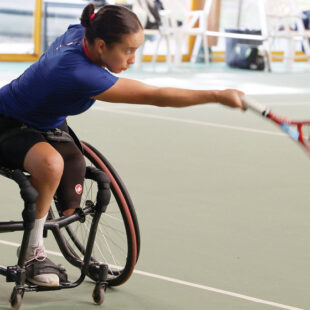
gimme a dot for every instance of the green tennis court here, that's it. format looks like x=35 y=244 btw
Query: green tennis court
x=222 y=197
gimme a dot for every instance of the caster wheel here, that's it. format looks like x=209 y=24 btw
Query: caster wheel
x=16 y=300
x=98 y=294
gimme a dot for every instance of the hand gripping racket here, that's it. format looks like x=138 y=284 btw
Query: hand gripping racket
x=299 y=131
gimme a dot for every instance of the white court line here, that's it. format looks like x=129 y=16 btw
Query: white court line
x=190 y=284
x=216 y=290
x=189 y=121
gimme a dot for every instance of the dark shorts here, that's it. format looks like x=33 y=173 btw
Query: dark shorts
x=14 y=148
x=15 y=142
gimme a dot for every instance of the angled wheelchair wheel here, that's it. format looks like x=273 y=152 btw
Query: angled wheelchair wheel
x=118 y=187
x=117 y=242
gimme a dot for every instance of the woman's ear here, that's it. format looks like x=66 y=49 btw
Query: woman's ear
x=101 y=46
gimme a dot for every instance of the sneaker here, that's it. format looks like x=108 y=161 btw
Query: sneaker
x=39 y=269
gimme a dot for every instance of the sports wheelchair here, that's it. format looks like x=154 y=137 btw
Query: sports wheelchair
x=101 y=238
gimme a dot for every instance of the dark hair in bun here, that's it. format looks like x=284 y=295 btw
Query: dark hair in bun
x=86 y=14
x=110 y=23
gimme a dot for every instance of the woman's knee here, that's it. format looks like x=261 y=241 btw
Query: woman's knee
x=51 y=166
x=43 y=162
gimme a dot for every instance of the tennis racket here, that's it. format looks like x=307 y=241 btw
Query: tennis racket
x=299 y=131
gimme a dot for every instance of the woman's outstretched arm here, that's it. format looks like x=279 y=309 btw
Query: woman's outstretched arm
x=132 y=91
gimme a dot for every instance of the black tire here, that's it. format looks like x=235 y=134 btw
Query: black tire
x=98 y=295
x=117 y=239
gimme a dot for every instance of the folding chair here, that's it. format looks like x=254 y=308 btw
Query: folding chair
x=280 y=19
x=164 y=31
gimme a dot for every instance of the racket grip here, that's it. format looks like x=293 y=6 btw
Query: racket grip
x=255 y=106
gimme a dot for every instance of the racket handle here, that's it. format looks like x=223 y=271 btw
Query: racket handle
x=255 y=106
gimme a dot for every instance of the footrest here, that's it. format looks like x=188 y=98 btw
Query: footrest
x=10 y=274
x=15 y=274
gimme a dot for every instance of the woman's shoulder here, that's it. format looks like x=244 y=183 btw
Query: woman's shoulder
x=67 y=50
x=73 y=36
x=77 y=28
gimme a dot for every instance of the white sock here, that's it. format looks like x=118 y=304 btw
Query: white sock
x=36 y=234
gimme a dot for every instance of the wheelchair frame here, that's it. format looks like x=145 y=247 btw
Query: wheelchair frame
x=87 y=265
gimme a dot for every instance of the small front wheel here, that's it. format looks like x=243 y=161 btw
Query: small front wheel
x=98 y=294
x=16 y=299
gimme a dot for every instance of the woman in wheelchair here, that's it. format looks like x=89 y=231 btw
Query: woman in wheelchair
x=67 y=79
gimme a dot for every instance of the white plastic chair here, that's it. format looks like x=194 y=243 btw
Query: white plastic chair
x=194 y=24
x=277 y=20
x=280 y=19
x=165 y=31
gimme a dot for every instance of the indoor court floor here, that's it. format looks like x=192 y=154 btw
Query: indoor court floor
x=222 y=196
